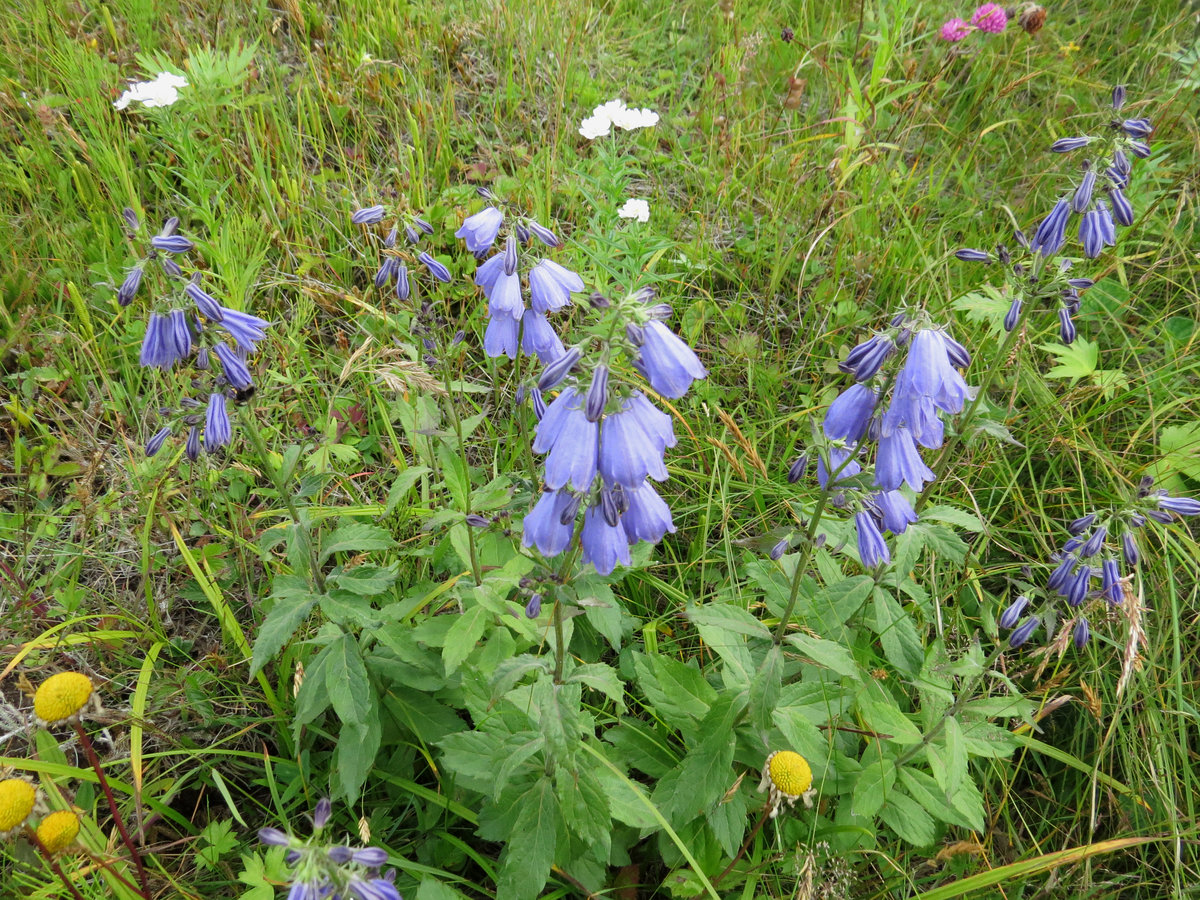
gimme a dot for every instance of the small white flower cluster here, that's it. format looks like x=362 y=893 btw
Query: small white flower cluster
x=635 y=209
x=162 y=91
x=615 y=112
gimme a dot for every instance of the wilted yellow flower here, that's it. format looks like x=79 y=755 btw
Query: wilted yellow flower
x=58 y=830
x=788 y=776
x=17 y=798
x=61 y=697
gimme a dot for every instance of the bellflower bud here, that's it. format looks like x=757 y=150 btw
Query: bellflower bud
x=1012 y=615
x=1081 y=633
x=1118 y=97
x=1082 y=197
x=1022 y=634
x=370 y=215
x=1067 y=145
x=558 y=370
x=969 y=255
x=597 y=395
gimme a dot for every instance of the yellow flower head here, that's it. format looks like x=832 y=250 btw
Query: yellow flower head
x=61 y=697
x=58 y=830
x=787 y=776
x=17 y=799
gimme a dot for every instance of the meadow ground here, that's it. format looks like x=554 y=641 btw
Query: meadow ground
x=334 y=600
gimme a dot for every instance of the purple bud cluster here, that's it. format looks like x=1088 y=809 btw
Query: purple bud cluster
x=605 y=441
x=193 y=328
x=513 y=328
x=394 y=267
x=1099 y=202
x=321 y=868
x=906 y=379
x=1099 y=550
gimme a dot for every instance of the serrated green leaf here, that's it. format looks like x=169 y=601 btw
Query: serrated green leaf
x=366 y=580
x=602 y=678
x=584 y=806
x=466 y=631
x=354 y=757
x=512 y=754
x=922 y=788
x=402 y=485
x=874 y=783
x=278 y=627
x=313 y=697
x=677 y=691
x=432 y=889
x=908 y=819
x=346 y=681
x=832 y=604
x=830 y=655
x=952 y=515
x=640 y=747
x=471 y=756
x=940 y=540
x=529 y=853
x=706 y=772
x=884 y=717
x=356 y=537
x=349 y=609
x=897 y=634
x=454 y=472
x=765 y=688
x=1075 y=360
x=953 y=769
x=728 y=618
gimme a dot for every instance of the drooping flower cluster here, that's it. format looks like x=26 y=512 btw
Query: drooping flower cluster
x=323 y=869
x=394 y=267
x=1099 y=201
x=193 y=327
x=1092 y=564
x=512 y=327
x=605 y=440
x=926 y=386
x=990 y=18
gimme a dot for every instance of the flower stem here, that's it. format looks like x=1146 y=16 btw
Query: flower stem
x=276 y=475
x=762 y=820
x=118 y=820
x=53 y=863
x=802 y=562
x=476 y=572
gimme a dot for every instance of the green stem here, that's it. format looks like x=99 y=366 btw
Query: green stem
x=964 y=697
x=476 y=572
x=802 y=562
x=276 y=476
x=560 y=649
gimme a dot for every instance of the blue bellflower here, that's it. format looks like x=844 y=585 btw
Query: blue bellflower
x=551 y=286
x=628 y=455
x=570 y=442
x=872 y=548
x=647 y=516
x=604 y=545
x=668 y=363
x=217 y=431
x=480 y=230
x=544 y=527
x=849 y=414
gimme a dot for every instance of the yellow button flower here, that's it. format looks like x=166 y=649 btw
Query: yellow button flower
x=61 y=697
x=58 y=830
x=17 y=798
x=787 y=776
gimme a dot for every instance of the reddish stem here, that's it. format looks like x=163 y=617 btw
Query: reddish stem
x=53 y=863
x=86 y=743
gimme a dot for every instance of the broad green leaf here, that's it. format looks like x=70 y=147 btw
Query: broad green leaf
x=940 y=540
x=432 y=889
x=706 y=772
x=897 y=634
x=584 y=806
x=726 y=617
x=987 y=740
x=529 y=852
x=356 y=537
x=349 y=610
x=367 y=580
x=907 y=818
x=875 y=782
x=454 y=471
x=953 y=769
x=402 y=485
x=601 y=678
x=313 y=697
x=952 y=515
x=471 y=757
x=354 y=756
x=830 y=655
x=884 y=717
x=278 y=627
x=640 y=747
x=922 y=788
x=803 y=736
x=677 y=691
x=513 y=753
x=627 y=800
x=728 y=821
x=347 y=682
x=832 y=605
x=462 y=637
x=765 y=688
x=817 y=701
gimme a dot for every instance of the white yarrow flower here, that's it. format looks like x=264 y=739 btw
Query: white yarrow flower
x=615 y=112
x=162 y=91
x=635 y=209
